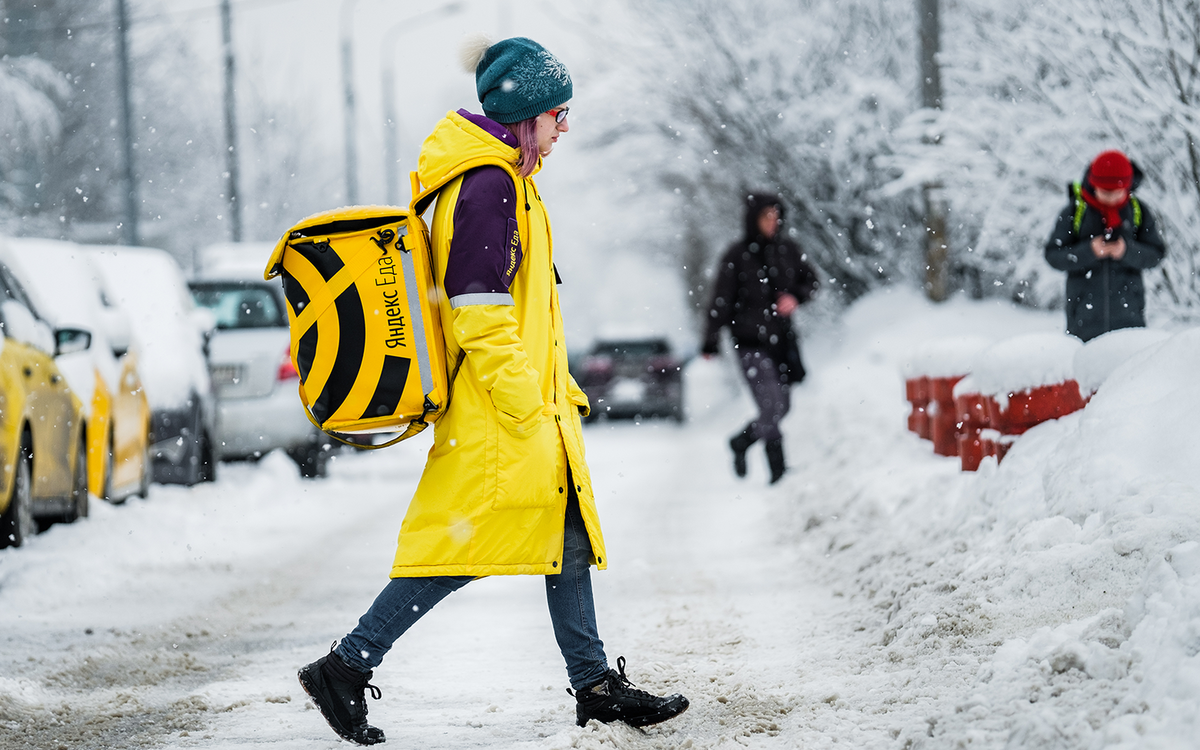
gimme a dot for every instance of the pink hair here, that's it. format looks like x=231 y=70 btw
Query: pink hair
x=526 y=133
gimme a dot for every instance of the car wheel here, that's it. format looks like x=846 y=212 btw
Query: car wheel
x=313 y=460
x=147 y=472
x=17 y=524
x=208 y=462
x=109 y=495
x=79 y=487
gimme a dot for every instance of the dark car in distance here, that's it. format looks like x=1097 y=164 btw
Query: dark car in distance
x=632 y=378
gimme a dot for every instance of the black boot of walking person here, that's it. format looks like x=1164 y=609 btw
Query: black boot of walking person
x=338 y=692
x=740 y=443
x=775 y=459
x=615 y=699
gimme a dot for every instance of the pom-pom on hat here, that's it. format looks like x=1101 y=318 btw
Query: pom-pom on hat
x=1111 y=170
x=516 y=78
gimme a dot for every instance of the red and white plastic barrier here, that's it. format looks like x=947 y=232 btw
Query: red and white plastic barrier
x=980 y=408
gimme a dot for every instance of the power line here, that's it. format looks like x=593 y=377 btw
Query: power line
x=60 y=30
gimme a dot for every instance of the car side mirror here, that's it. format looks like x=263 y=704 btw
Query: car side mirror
x=205 y=321
x=71 y=340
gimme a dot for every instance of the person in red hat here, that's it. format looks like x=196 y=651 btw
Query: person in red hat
x=1104 y=239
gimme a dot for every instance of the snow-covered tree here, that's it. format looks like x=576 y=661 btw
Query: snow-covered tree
x=797 y=98
x=818 y=101
x=31 y=92
x=76 y=182
x=1033 y=91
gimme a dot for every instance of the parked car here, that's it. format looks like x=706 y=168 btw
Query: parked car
x=43 y=459
x=169 y=335
x=258 y=408
x=66 y=289
x=634 y=377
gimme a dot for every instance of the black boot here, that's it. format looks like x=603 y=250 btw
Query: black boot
x=740 y=443
x=775 y=459
x=615 y=699
x=338 y=692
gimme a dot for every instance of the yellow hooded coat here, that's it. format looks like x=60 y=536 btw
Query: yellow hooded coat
x=492 y=499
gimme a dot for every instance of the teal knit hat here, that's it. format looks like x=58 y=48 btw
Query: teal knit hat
x=517 y=79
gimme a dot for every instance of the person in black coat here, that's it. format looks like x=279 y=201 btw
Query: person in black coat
x=760 y=282
x=1104 y=239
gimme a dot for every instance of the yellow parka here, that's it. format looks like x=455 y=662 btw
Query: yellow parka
x=492 y=499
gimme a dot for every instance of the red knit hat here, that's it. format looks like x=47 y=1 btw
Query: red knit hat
x=1111 y=170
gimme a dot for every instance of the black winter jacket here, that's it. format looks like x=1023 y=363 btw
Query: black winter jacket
x=751 y=276
x=1104 y=294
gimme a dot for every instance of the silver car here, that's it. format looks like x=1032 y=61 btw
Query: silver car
x=250 y=362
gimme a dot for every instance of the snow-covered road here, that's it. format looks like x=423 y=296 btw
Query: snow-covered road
x=876 y=598
x=180 y=621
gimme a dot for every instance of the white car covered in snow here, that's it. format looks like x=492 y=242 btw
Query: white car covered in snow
x=169 y=333
x=258 y=408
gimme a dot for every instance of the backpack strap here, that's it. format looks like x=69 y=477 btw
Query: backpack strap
x=1081 y=207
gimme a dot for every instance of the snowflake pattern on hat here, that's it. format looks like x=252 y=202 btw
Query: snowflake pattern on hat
x=518 y=79
x=538 y=76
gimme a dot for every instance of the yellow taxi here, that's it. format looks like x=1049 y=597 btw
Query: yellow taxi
x=43 y=458
x=119 y=435
x=67 y=290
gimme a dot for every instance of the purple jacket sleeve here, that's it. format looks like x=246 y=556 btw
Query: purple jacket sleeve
x=485 y=251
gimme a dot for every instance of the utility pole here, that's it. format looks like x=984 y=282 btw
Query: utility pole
x=936 y=250
x=348 y=87
x=231 y=152
x=130 y=225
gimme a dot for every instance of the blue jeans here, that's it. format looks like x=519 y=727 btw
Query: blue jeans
x=569 y=595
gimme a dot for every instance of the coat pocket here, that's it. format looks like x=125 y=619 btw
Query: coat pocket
x=526 y=476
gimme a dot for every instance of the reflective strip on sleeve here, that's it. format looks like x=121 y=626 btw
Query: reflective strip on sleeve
x=485 y=298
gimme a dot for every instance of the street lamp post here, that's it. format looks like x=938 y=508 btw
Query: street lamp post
x=388 y=79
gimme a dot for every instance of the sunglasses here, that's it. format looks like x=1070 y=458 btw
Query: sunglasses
x=560 y=114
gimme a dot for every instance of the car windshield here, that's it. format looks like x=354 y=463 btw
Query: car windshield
x=240 y=305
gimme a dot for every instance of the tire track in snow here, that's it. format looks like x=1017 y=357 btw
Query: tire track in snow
x=123 y=687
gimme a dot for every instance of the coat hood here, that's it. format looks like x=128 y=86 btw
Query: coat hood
x=461 y=141
x=755 y=203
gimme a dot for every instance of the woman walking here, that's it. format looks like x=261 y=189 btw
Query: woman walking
x=506 y=490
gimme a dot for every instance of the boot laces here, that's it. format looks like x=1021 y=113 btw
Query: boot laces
x=376 y=693
x=358 y=707
x=625 y=685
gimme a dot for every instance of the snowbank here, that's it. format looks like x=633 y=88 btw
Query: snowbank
x=1023 y=363
x=1056 y=596
x=1097 y=359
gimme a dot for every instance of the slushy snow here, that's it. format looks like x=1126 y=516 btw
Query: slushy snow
x=877 y=597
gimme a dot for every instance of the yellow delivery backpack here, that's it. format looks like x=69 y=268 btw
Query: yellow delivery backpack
x=365 y=329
